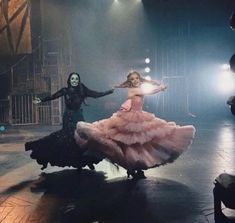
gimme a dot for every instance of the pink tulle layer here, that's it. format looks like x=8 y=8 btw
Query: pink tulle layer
x=136 y=139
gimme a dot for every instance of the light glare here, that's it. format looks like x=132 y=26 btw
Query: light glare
x=148 y=78
x=147 y=60
x=226 y=82
x=147 y=69
x=225 y=67
x=147 y=88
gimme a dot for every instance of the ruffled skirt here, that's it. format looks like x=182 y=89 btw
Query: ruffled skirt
x=135 y=139
x=59 y=148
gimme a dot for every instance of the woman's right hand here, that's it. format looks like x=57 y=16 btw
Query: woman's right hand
x=37 y=100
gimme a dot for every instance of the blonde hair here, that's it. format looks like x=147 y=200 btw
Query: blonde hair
x=127 y=83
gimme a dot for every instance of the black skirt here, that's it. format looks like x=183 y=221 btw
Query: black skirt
x=59 y=148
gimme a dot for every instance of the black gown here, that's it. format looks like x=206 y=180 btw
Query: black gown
x=59 y=148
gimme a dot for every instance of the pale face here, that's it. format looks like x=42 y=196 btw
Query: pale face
x=74 y=80
x=135 y=80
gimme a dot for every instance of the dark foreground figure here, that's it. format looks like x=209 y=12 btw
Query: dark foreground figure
x=59 y=148
x=224 y=192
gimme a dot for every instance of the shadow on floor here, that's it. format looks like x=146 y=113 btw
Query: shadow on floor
x=68 y=196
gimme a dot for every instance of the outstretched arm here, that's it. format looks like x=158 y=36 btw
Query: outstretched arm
x=49 y=98
x=96 y=94
x=153 y=89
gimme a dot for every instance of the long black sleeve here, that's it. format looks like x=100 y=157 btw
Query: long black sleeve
x=58 y=94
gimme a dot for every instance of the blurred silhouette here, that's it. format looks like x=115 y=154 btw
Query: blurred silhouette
x=224 y=191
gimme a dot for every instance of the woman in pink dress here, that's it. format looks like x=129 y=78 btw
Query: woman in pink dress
x=132 y=138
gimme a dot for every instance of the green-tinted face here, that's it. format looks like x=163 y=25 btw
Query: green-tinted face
x=74 y=80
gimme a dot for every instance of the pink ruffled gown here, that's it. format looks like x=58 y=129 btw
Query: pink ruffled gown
x=135 y=139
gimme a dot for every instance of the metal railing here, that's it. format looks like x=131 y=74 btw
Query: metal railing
x=4 y=111
x=19 y=110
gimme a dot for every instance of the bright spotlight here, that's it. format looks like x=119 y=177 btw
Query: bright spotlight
x=225 y=66
x=226 y=82
x=147 y=69
x=227 y=86
x=147 y=60
x=116 y=1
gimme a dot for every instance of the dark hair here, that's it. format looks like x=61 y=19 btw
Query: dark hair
x=68 y=80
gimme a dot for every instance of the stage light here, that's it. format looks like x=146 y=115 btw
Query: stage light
x=232 y=63
x=147 y=69
x=225 y=66
x=147 y=60
x=226 y=82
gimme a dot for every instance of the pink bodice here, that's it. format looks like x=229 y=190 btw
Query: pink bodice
x=137 y=103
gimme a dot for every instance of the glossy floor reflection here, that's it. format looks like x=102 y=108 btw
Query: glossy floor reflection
x=176 y=193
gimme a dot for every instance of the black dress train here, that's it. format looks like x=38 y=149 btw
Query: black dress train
x=59 y=148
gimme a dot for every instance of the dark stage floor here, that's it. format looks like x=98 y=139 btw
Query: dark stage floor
x=176 y=193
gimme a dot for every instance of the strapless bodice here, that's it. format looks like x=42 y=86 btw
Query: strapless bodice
x=137 y=103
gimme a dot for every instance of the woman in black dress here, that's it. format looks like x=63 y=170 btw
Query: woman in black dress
x=59 y=148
